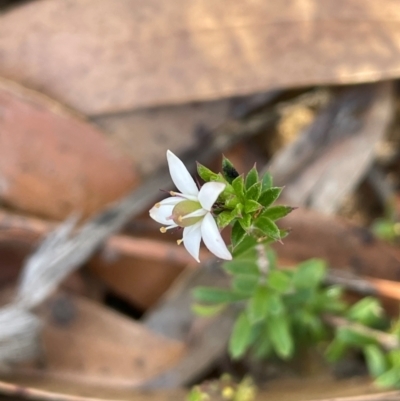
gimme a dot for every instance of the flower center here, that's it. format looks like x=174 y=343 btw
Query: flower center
x=184 y=208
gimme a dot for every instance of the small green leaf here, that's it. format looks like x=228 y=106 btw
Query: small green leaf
x=246 y=245
x=275 y=304
x=232 y=202
x=258 y=305
x=375 y=359
x=251 y=178
x=254 y=191
x=280 y=335
x=215 y=295
x=207 y=310
x=251 y=206
x=277 y=212
x=225 y=218
x=263 y=348
x=238 y=234
x=279 y=281
x=390 y=378
x=309 y=274
x=206 y=174
x=394 y=357
x=245 y=283
x=268 y=227
x=267 y=182
x=239 y=266
x=269 y=196
x=241 y=336
x=245 y=221
x=228 y=170
x=367 y=311
x=335 y=350
x=353 y=337
x=238 y=186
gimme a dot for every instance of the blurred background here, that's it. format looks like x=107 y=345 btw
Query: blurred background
x=93 y=93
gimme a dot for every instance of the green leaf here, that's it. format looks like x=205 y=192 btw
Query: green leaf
x=258 y=305
x=269 y=196
x=251 y=206
x=275 y=304
x=245 y=221
x=207 y=310
x=238 y=186
x=246 y=245
x=239 y=266
x=206 y=174
x=367 y=311
x=309 y=274
x=375 y=359
x=251 y=178
x=280 y=335
x=394 y=357
x=277 y=212
x=225 y=218
x=238 y=234
x=335 y=350
x=268 y=227
x=263 y=348
x=279 y=281
x=241 y=336
x=390 y=378
x=353 y=337
x=216 y=295
x=254 y=191
x=267 y=182
x=245 y=283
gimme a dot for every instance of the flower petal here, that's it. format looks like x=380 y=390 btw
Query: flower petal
x=162 y=214
x=173 y=200
x=212 y=238
x=181 y=176
x=191 y=240
x=209 y=193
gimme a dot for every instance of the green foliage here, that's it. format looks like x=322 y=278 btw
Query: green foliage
x=283 y=310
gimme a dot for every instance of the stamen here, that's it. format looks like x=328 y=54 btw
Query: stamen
x=179 y=241
x=172 y=193
x=157 y=205
x=180 y=218
x=163 y=230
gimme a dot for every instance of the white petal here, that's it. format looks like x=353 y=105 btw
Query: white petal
x=191 y=240
x=173 y=200
x=196 y=213
x=161 y=214
x=209 y=193
x=212 y=238
x=181 y=176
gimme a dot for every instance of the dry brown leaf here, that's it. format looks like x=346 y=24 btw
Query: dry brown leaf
x=89 y=344
x=102 y=56
x=54 y=163
x=342 y=244
x=325 y=164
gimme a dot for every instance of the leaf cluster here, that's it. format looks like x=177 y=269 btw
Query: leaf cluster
x=280 y=307
x=247 y=204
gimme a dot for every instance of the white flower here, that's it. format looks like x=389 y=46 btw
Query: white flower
x=191 y=209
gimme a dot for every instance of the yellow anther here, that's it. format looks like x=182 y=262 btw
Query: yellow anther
x=163 y=230
x=180 y=219
x=179 y=241
x=157 y=204
x=172 y=193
